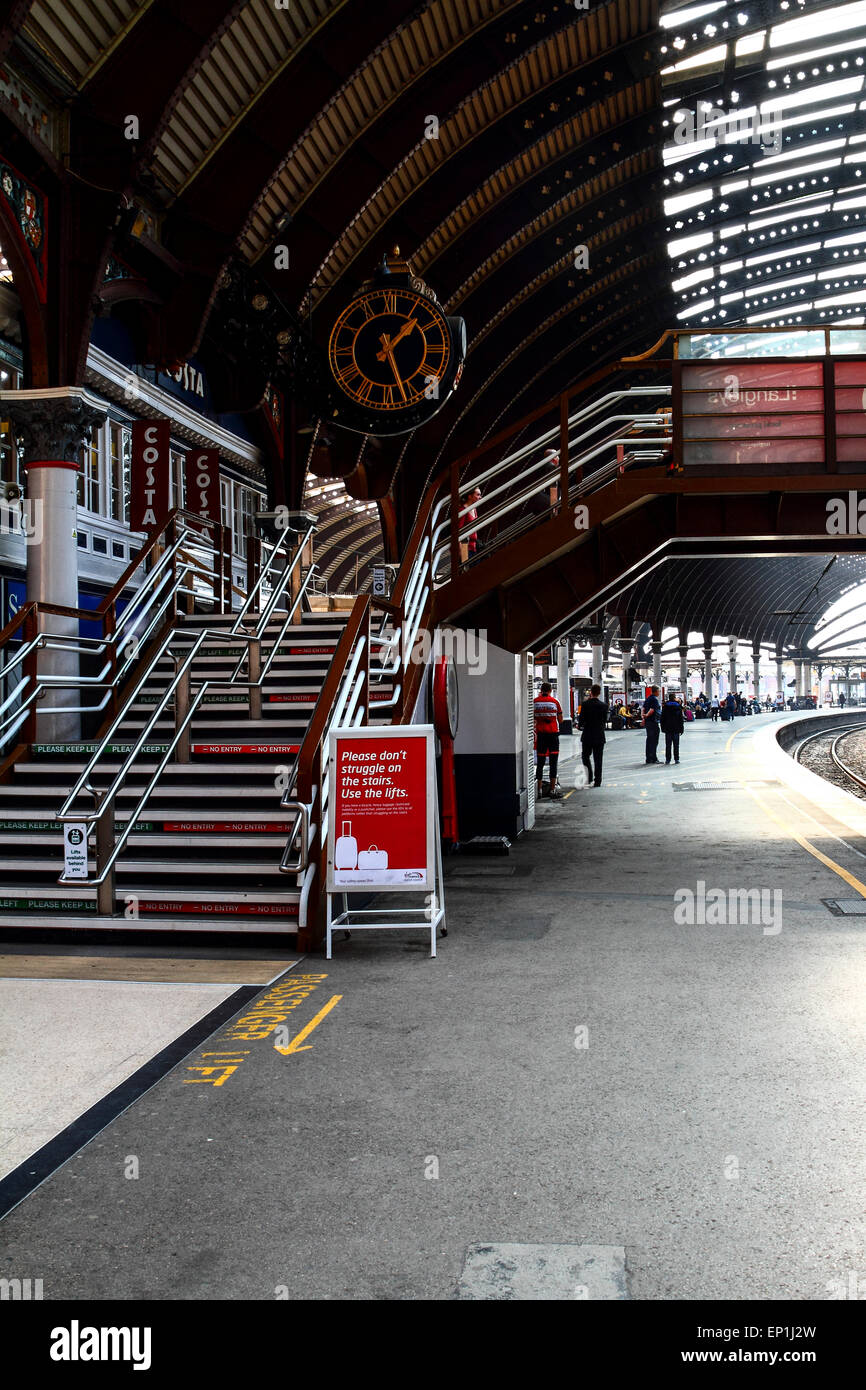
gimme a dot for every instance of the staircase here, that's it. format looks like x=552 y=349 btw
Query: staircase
x=212 y=834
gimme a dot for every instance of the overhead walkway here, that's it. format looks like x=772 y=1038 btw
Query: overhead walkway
x=626 y=1079
x=708 y=446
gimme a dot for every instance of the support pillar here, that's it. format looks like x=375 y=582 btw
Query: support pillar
x=798 y=676
x=53 y=425
x=807 y=675
x=563 y=684
x=780 y=675
x=683 y=650
x=597 y=662
x=657 y=661
x=732 y=665
x=625 y=646
x=708 y=670
x=756 y=671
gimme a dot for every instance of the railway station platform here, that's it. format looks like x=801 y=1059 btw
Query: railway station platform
x=640 y=1040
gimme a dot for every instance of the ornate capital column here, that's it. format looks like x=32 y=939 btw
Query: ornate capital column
x=52 y=425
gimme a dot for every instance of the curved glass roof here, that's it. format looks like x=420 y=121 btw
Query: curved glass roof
x=765 y=161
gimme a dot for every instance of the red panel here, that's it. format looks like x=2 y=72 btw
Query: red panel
x=731 y=377
x=849 y=373
x=772 y=400
x=202 y=481
x=759 y=427
x=755 y=451
x=150 y=474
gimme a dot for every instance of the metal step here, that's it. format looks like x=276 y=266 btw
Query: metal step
x=192 y=901
x=216 y=748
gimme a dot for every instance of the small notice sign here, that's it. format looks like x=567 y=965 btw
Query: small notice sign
x=75 y=851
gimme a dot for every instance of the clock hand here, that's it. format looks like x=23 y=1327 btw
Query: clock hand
x=390 y=345
x=390 y=355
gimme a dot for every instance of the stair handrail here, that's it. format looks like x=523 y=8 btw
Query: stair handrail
x=151 y=594
x=186 y=706
x=279 y=550
x=556 y=469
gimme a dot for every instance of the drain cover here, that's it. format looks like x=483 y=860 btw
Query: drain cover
x=543 y=1272
x=846 y=907
x=719 y=786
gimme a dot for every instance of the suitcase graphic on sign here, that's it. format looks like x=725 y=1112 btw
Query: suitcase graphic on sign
x=373 y=858
x=346 y=849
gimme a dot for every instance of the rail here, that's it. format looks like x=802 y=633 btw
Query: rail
x=178 y=693
x=130 y=617
x=564 y=462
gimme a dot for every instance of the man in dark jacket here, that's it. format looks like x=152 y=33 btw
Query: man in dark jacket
x=650 y=719
x=672 y=724
x=591 y=722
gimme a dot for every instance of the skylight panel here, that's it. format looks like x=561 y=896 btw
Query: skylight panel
x=750 y=43
x=814 y=26
x=779 y=251
x=683 y=201
x=796 y=171
x=683 y=245
x=700 y=308
x=771 y=286
x=695 y=278
x=814 y=53
x=699 y=60
x=673 y=21
x=825 y=91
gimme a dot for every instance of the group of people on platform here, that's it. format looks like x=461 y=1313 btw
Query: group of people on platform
x=654 y=716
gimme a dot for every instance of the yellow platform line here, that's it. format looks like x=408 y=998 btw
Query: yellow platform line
x=294 y=1045
x=809 y=847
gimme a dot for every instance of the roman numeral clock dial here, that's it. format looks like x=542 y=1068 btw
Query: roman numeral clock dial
x=395 y=356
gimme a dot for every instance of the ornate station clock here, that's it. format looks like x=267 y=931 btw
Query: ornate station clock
x=395 y=356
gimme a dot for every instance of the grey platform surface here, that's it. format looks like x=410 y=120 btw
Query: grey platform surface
x=576 y=1069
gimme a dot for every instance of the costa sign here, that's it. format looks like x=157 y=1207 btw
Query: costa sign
x=150 y=477
x=202 y=483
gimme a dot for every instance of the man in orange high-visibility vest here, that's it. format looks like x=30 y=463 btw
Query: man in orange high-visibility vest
x=548 y=717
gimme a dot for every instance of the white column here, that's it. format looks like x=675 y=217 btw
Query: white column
x=563 y=683
x=53 y=425
x=657 y=661
x=756 y=671
x=597 y=659
x=708 y=672
x=625 y=647
x=798 y=675
x=683 y=650
x=780 y=676
x=732 y=665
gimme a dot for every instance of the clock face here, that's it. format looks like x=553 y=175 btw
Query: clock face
x=390 y=350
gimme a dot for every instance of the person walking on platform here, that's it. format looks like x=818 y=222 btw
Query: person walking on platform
x=548 y=717
x=672 y=724
x=731 y=704
x=714 y=708
x=591 y=722
x=650 y=720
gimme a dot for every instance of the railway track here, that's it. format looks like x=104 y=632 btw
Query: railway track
x=822 y=753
